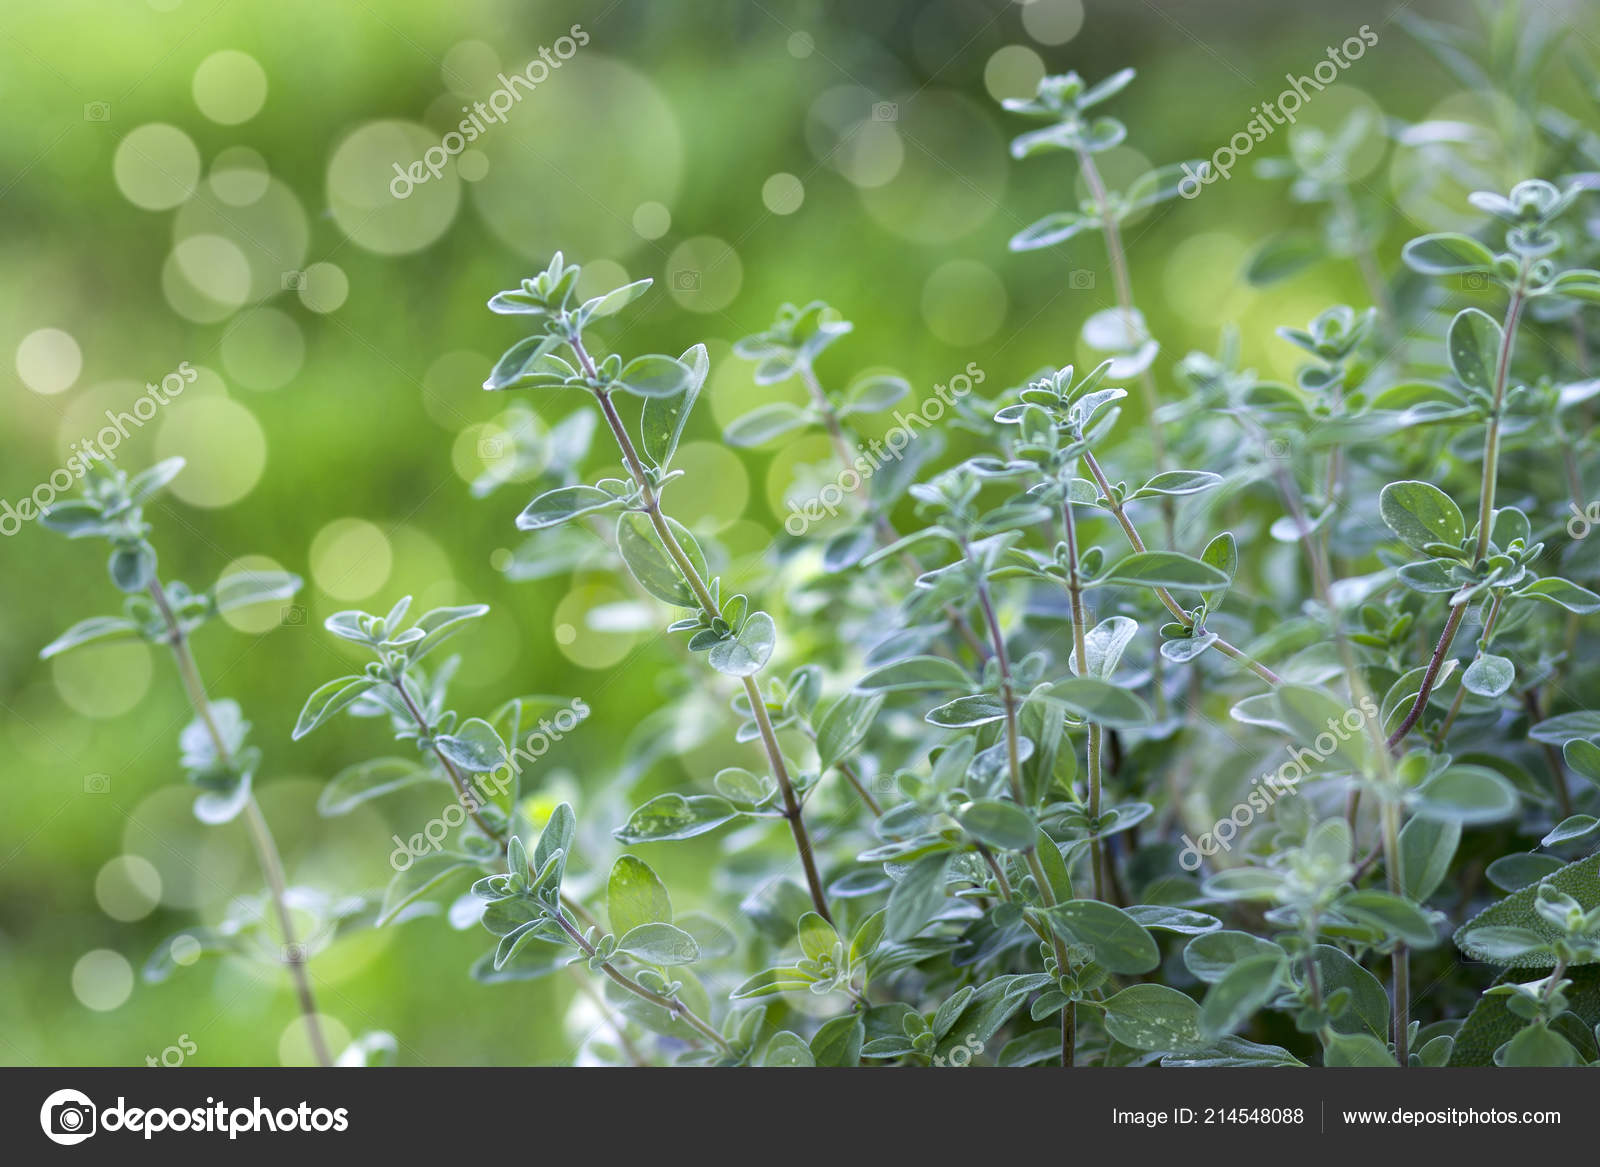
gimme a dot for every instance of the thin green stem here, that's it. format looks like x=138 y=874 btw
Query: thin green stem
x=261 y=839
x=691 y=574
x=845 y=450
x=1491 y=466
x=1172 y=605
x=1401 y=959
x=1008 y=698
x=1124 y=286
x=1080 y=650
x=671 y=1004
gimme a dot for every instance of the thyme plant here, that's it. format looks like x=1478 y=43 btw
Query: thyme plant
x=1053 y=790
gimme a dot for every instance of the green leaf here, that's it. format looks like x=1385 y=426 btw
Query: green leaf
x=1398 y=917
x=746 y=653
x=1175 y=483
x=1054 y=866
x=475 y=746
x=1537 y=1045
x=873 y=393
x=916 y=897
x=1368 y=1009
x=787 y=1050
x=1448 y=254
x=763 y=424
x=1209 y=956
x=132 y=568
x=647 y=558
x=1564 y=594
x=554 y=507
x=364 y=781
x=838 y=1042
x=440 y=625
x=616 y=299
x=914 y=673
x=243 y=588
x=1558 y=731
x=1474 y=348
x=635 y=895
x=530 y=364
x=1504 y=945
x=817 y=937
x=744 y=789
x=144 y=485
x=1000 y=824
x=1516 y=871
x=330 y=699
x=556 y=837
x=1426 y=848
x=865 y=941
x=1166 y=569
x=1222 y=553
x=842 y=728
x=1119 y=944
x=1283 y=256
x=977 y=709
x=1233 y=1052
x=1100 y=701
x=659 y=944
x=656 y=376
x=87 y=631
x=424 y=872
x=1104 y=645
x=1244 y=989
x=1180 y=920
x=1581 y=754
x=1154 y=1017
x=1050 y=230
x=1489 y=676
x=1570 y=830
x=665 y=417
x=1420 y=513
x=672 y=816
x=1466 y=794
x=1356 y=1049
x=1580 y=880
x=1309 y=712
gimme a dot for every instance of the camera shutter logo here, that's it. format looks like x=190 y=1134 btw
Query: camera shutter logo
x=68 y=1117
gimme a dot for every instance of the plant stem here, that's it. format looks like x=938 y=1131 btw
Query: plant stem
x=1461 y=690
x=671 y=1004
x=1491 y=462
x=1119 y=276
x=1081 y=655
x=845 y=451
x=850 y=776
x=1485 y=506
x=261 y=839
x=1530 y=702
x=691 y=575
x=1172 y=605
x=1008 y=697
x=1491 y=439
x=1401 y=959
x=1365 y=259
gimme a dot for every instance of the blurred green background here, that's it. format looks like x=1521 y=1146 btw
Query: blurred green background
x=184 y=181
